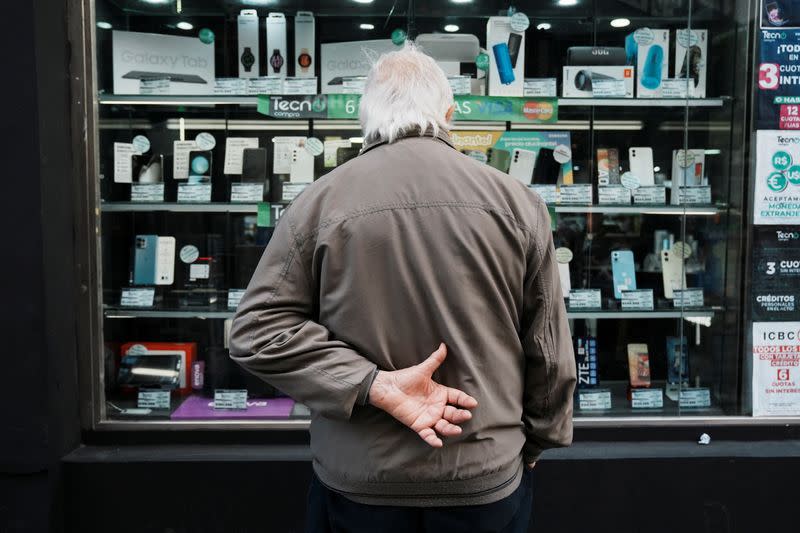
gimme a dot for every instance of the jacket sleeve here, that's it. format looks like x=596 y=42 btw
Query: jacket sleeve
x=275 y=337
x=549 y=358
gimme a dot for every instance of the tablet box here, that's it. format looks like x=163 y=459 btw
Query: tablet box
x=344 y=60
x=578 y=80
x=247 y=32
x=186 y=350
x=648 y=49
x=695 y=42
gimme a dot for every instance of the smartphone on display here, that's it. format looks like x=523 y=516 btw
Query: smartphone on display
x=640 y=159
x=546 y=169
x=623 y=272
x=254 y=165
x=302 y=167
x=165 y=261
x=145 y=251
x=514 y=41
x=673 y=272
x=200 y=166
x=521 y=166
x=499 y=159
x=343 y=155
x=158 y=371
x=639 y=365
x=147 y=168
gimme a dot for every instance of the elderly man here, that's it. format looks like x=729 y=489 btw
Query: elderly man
x=408 y=248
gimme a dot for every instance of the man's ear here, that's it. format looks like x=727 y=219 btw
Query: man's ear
x=449 y=115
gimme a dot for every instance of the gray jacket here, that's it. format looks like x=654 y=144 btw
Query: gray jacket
x=408 y=245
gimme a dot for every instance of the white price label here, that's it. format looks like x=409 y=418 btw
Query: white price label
x=613 y=195
x=147 y=192
x=585 y=299
x=247 y=192
x=265 y=85
x=589 y=400
x=199 y=271
x=234 y=297
x=688 y=298
x=549 y=193
x=675 y=87
x=123 y=162
x=205 y=141
x=195 y=193
x=647 y=398
x=695 y=397
x=292 y=190
x=230 y=399
x=700 y=195
x=637 y=300
x=137 y=297
x=653 y=195
x=575 y=194
x=542 y=87
x=153 y=399
x=180 y=158
x=602 y=88
x=460 y=84
x=302 y=86
x=234 y=153
x=230 y=86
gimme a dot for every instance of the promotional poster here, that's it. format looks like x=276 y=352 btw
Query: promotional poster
x=777 y=192
x=778 y=97
x=780 y=14
x=776 y=363
x=776 y=273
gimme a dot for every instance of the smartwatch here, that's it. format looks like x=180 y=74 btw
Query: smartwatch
x=276 y=61
x=247 y=59
x=304 y=60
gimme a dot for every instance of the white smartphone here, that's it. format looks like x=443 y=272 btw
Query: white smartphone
x=673 y=272
x=563 y=275
x=165 y=261
x=640 y=159
x=521 y=167
x=302 y=168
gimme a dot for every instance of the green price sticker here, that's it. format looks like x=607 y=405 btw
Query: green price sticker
x=793 y=175
x=781 y=160
x=777 y=182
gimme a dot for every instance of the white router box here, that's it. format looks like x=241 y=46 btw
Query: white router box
x=305 y=60
x=277 y=58
x=247 y=28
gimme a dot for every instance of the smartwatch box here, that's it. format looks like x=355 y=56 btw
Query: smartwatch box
x=277 y=58
x=185 y=63
x=579 y=81
x=249 y=57
x=186 y=350
x=506 y=50
x=648 y=50
x=691 y=59
x=340 y=61
x=305 y=60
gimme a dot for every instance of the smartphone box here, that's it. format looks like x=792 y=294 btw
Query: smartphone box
x=688 y=170
x=186 y=350
x=187 y=62
x=499 y=33
x=691 y=59
x=586 y=361
x=277 y=58
x=249 y=58
x=610 y=81
x=648 y=49
x=340 y=61
x=305 y=60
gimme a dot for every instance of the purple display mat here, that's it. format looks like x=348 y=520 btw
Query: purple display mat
x=201 y=408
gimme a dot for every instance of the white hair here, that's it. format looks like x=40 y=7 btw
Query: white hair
x=405 y=91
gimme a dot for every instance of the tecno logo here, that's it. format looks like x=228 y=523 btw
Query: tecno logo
x=774 y=35
x=291 y=105
x=780 y=335
x=783 y=141
x=785 y=236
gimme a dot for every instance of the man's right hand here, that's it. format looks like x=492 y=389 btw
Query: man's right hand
x=413 y=398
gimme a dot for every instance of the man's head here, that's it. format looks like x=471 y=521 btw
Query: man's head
x=405 y=91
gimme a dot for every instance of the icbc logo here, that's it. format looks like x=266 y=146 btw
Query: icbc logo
x=783 y=374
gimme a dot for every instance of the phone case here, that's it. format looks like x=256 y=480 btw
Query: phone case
x=640 y=159
x=499 y=159
x=521 y=166
x=254 y=165
x=639 y=365
x=546 y=169
x=200 y=166
x=145 y=249
x=165 y=261
x=673 y=272
x=302 y=169
x=623 y=272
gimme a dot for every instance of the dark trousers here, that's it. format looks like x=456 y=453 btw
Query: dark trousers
x=330 y=512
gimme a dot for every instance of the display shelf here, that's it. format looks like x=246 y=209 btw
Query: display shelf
x=621 y=406
x=677 y=210
x=136 y=207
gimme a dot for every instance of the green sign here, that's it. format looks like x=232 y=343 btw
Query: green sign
x=480 y=108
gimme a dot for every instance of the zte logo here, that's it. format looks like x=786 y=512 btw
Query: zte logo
x=783 y=374
x=780 y=335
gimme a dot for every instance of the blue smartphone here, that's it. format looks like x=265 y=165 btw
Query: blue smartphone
x=145 y=250
x=623 y=272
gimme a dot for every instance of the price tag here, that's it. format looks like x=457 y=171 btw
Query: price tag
x=585 y=299
x=460 y=84
x=549 y=193
x=576 y=194
x=695 y=397
x=230 y=399
x=196 y=193
x=247 y=192
x=230 y=86
x=354 y=85
x=265 y=85
x=675 y=87
x=653 y=195
x=292 y=191
x=154 y=86
x=299 y=86
x=541 y=87
x=647 y=398
x=123 y=162
x=608 y=88
x=137 y=297
x=147 y=192
x=694 y=195
x=638 y=300
x=234 y=297
x=596 y=399
x=153 y=399
x=688 y=298
x=613 y=195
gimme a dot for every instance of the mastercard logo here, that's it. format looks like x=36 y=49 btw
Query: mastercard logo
x=538 y=110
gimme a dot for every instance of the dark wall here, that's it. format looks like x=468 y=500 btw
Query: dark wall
x=38 y=400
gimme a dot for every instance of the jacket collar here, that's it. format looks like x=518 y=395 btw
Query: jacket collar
x=442 y=136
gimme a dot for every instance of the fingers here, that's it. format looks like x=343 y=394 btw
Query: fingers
x=461 y=399
x=429 y=436
x=446 y=429
x=456 y=416
x=435 y=360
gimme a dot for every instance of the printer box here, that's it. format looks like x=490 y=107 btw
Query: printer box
x=691 y=59
x=506 y=50
x=277 y=56
x=305 y=59
x=340 y=61
x=187 y=62
x=247 y=33
x=580 y=81
x=648 y=50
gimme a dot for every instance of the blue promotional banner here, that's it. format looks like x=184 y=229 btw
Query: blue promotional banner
x=778 y=100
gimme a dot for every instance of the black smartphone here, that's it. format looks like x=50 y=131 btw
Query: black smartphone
x=546 y=169
x=161 y=371
x=514 y=42
x=254 y=165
